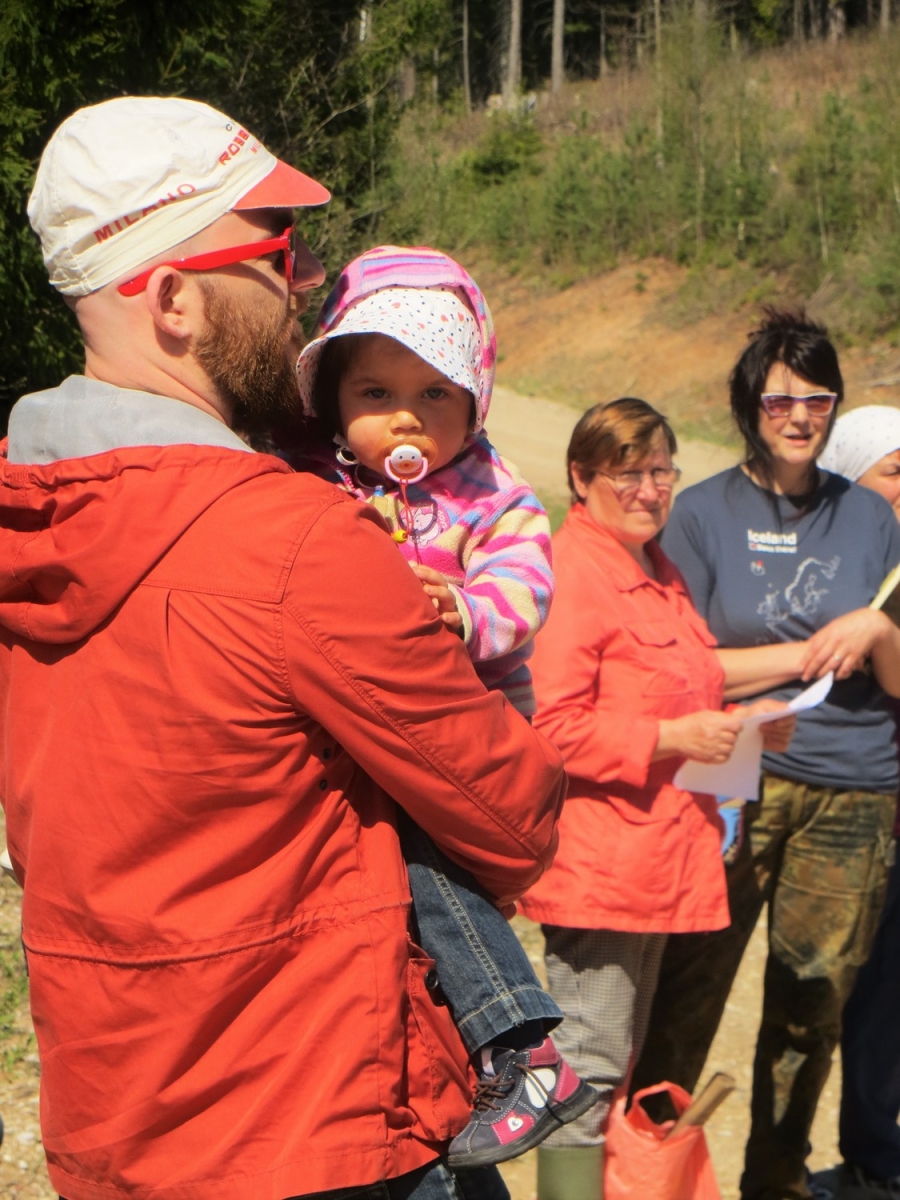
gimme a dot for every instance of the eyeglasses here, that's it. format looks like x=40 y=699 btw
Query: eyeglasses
x=224 y=258
x=781 y=404
x=662 y=478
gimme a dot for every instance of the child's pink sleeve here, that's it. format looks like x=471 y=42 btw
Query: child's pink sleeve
x=508 y=586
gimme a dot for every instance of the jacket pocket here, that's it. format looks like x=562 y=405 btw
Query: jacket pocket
x=660 y=658
x=698 y=626
x=439 y=1091
x=652 y=633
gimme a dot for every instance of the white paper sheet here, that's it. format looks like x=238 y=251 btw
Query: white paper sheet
x=740 y=775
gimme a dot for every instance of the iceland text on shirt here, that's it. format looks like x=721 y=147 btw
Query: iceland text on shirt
x=766 y=542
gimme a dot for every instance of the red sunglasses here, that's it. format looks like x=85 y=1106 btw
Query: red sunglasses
x=223 y=258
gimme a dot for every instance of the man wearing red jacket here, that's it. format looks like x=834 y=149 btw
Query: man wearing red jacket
x=214 y=676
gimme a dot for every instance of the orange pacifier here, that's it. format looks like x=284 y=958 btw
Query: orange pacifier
x=408 y=460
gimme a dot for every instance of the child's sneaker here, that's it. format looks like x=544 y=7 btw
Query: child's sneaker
x=523 y=1095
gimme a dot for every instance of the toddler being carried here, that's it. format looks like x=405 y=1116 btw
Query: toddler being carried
x=396 y=386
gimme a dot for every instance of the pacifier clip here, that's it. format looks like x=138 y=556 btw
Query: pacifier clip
x=405 y=464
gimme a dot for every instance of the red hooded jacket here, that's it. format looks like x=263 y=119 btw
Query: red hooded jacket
x=212 y=672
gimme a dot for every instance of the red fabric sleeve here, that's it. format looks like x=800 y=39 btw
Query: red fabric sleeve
x=367 y=657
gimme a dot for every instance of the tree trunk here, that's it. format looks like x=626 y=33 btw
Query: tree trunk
x=701 y=178
x=798 y=21
x=557 y=68
x=603 y=67
x=658 y=64
x=885 y=15
x=815 y=19
x=837 y=20
x=514 y=65
x=467 y=78
x=407 y=80
x=820 y=212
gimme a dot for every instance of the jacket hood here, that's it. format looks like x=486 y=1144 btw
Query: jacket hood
x=85 y=513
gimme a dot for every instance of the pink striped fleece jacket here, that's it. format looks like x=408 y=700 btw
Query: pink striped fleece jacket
x=480 y=524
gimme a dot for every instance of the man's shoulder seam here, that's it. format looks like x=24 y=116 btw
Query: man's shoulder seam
x=292 y=538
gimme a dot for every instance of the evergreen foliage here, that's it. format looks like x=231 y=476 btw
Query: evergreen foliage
x=810 y=191
x=705 y=171
x=296 y=72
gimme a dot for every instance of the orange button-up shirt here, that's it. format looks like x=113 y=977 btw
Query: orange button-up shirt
x=619 y=652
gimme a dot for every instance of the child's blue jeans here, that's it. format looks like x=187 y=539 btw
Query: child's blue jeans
x=432 y=1182
x=484 y=974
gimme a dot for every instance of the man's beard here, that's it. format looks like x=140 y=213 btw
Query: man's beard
x=245 y=353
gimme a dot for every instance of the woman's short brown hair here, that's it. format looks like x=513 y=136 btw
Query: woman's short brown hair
x=610 y=435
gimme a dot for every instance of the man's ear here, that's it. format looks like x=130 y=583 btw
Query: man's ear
x=175 y=302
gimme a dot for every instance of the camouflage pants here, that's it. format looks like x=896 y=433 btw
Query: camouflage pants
x=819 y=858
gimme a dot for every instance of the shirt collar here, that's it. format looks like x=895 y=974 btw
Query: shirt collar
x=623 y=571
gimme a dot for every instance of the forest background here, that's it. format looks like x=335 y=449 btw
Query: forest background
x=541 y=140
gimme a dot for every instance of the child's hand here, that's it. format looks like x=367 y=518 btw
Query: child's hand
x=442 y=598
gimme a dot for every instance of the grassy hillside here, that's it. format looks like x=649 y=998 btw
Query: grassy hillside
x=767 y=176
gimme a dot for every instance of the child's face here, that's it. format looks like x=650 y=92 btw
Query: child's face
x=388 y=392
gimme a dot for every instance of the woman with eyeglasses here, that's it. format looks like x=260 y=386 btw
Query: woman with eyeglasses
x=776 y=551
x=628 y=686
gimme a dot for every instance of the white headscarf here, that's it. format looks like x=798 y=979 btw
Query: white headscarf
x=860 y=438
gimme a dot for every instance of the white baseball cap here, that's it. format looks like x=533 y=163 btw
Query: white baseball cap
x=124 y=181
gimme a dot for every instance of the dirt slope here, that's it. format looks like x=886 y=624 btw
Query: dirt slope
x=654 y=330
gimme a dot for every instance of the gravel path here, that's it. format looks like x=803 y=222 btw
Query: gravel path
x=534 y=434
x=732 y=1051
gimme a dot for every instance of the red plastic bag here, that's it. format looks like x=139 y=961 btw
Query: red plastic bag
x=641 y=1162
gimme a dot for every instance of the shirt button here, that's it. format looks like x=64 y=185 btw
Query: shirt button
x=323 y=784
x=326 y=754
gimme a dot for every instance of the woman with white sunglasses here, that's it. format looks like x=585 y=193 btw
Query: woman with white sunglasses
x=773 y=551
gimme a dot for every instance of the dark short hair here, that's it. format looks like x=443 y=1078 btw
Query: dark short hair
x=783 y=336
x=609 y=435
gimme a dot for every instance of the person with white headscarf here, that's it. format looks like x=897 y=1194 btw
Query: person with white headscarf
x=865 y=447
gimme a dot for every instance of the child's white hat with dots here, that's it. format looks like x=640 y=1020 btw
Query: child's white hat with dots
x=432 y=322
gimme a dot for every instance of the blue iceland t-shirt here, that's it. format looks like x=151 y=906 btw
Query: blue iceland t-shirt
x=761 y=569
